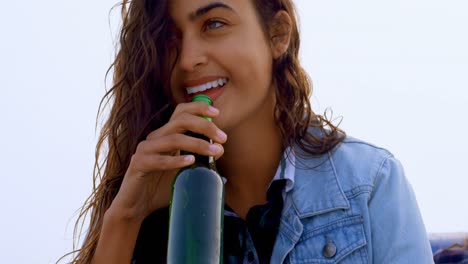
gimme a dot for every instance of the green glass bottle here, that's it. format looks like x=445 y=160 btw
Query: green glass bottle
x=197 y=211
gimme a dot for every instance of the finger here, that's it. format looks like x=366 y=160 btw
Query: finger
x=156 y=162
x=188 y=122
x=219 y=154
x=175 y=142
x=195 y=108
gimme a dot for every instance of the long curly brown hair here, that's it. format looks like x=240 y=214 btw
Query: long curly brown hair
x=141 y=102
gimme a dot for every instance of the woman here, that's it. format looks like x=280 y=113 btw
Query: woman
x=337 y=199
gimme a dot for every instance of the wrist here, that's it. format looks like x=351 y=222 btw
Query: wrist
x=123 y=216
x=118 y=237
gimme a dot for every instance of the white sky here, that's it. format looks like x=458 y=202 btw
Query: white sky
x=397 y=71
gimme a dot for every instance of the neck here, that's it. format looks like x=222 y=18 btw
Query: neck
x=250 y=160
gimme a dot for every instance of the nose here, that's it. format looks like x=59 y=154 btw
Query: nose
x=192 y=54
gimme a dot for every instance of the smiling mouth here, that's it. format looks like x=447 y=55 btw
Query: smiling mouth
x=207 y=86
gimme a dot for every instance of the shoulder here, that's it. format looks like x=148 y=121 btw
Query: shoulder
x=331 y=180
x=357 y=188
x=359 y=163
x=355 y=163
x=353 y=146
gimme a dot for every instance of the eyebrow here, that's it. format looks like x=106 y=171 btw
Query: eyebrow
x=205 y=9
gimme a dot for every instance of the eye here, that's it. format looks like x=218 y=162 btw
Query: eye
x=213 y=24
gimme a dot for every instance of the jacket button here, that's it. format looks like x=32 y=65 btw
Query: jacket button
x=329 y=250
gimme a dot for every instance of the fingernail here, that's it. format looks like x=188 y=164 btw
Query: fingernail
x=213 y=110
x=189 y=158
x=221 y=135
x=215 y=149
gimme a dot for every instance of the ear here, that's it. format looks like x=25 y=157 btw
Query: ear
x=280 y=33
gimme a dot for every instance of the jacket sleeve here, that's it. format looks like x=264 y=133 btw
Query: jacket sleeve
x=397 y=229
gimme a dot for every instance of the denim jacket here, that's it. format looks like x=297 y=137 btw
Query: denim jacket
x=353 y=205
x=350 y=206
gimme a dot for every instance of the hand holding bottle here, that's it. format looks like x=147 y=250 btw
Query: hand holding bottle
x=147 y=182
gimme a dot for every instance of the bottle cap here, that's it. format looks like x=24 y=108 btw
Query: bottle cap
x=203 y=98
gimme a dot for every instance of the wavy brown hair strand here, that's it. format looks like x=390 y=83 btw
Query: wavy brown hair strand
x=293 y=110
x=140 y=103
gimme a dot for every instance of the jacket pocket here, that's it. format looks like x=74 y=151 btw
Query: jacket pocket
x=342 y=241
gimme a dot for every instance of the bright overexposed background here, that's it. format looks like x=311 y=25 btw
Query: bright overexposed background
x=396 y=71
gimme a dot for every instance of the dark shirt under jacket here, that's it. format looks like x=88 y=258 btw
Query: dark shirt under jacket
x=249 y=241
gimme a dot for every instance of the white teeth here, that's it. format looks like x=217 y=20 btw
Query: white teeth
x=206 y=86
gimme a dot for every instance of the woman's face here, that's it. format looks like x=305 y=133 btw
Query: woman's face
x=218 y=42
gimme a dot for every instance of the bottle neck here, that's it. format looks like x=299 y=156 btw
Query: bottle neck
x=200 y=160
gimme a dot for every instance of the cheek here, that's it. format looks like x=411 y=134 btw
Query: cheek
x=177 y=94
x=175 y=79
x=248 y=64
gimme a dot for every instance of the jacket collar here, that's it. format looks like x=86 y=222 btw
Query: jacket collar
x=316 y=186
